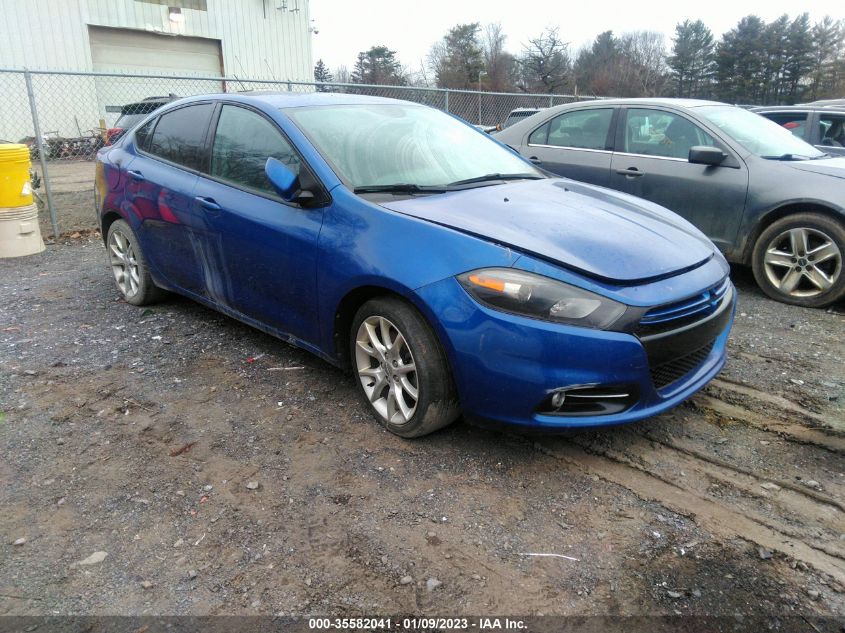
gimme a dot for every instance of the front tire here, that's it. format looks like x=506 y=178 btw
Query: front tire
x=799 y=260
x=401 y=369
x=129 y=266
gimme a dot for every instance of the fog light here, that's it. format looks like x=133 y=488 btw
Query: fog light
x=589 y=400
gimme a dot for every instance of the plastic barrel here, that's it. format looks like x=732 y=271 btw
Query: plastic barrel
x=15 y=187
x=19 y=231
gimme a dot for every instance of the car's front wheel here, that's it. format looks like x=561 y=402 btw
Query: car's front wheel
x=401 y=369
x=799 y=260
x=129 y=266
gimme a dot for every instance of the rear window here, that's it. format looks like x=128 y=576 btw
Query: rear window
x=179 y=136
x=126 y=121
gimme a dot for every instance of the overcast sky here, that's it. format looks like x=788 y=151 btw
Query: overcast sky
x=410 y=28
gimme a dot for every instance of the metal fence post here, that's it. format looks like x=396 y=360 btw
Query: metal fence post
x=40 y=145
x=447 y=101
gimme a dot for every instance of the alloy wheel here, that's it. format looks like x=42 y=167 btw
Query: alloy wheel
x=802 y=262
x=124 y=264
x=387 y=370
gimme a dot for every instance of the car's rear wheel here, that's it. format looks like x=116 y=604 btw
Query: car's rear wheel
x=129 y=266
x=401 y=369
x=799 y=260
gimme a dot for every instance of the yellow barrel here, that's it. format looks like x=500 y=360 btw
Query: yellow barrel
x=15 y=186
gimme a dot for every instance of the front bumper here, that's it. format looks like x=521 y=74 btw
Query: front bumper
x=506 y=365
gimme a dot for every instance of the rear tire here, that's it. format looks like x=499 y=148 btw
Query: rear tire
x=401 y=369
x=129 y=266
x=799 y=260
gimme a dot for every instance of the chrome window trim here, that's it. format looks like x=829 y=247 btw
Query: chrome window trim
x=579 y=149
x=672 y=158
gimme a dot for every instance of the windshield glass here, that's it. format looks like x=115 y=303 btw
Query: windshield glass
x=388 y=144
x=757 y=134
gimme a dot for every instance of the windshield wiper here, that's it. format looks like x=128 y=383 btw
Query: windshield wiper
x=787 y=157
x=488 y=177
x=399 y=187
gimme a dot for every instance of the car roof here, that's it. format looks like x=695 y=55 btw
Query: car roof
x=800 y=108
x=281 y=100
x=676 y=102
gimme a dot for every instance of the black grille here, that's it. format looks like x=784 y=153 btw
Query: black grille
x=666 y=373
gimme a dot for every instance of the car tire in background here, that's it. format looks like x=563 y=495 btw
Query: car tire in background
x=799 y=260
x=129 y=266
x=401 y=370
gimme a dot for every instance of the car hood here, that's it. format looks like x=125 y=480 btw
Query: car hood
x=601 y=233
x=827 y=166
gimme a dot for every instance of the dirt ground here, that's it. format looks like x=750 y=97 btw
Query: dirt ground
x=221 y=471
x=72 y=189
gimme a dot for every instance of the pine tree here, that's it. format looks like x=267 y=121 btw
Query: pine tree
x=692 y=59
x=799 y=57
x=322 y=74
x=378 y=66
x=740 y=62
x=828 y=48
x=458 y=59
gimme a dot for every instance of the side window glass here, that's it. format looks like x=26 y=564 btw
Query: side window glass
x=585 y=129
x=794 y=122
x=180 y=135
x=243 y=143
x=659 y=133
x=832 y=130
x=142 y=134
x=540 y=135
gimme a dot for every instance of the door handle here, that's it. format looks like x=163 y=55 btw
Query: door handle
x=208 y=203
x=535 y=160
x=135 y=175
x=631 y=172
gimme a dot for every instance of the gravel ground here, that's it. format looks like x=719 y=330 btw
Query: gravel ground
x=169 y=460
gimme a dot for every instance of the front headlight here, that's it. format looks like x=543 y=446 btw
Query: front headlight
x=540 y=297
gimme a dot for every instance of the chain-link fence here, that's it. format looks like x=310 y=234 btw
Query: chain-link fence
x=66 y=117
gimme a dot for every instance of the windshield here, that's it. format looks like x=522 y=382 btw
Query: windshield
x=374 y=144
x=757 y=134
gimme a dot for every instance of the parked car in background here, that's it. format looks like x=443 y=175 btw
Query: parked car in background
x=518 y=114
x=827 y=103
x=821 y=126
x=132 y=113
x=448 y=272
x=765 y=197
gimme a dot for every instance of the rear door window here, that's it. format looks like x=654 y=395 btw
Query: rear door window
x=179 y=136
x=832 y=129
x=795 y=122
x=242 y=144
x=582 y=129
x=660 y=133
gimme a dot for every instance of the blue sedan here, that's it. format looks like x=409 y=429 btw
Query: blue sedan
x=447 y=272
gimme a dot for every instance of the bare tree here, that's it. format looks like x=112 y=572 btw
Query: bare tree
x=499 y=65
x=545 y=64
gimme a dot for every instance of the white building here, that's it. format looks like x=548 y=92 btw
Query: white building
x=247 y=39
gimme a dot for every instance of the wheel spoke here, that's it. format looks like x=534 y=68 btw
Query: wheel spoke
x=408 y=388
x=404 y=369
x=824 y=252
x=819 y=279
x=798 y=241
x=391 y=404
x=790 y=281
x=778 y=258
x=404 y=409
x=375 y=343
x=375 y=394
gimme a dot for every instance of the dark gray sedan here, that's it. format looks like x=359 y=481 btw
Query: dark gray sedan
x=765 y=197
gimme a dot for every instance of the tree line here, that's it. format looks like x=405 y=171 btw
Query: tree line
x=784 y=61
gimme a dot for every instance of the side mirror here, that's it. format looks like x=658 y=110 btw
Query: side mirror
x=286 y=182
x=706 y=155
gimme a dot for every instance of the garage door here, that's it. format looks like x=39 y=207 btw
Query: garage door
x=129 y=51
x=142 y=53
